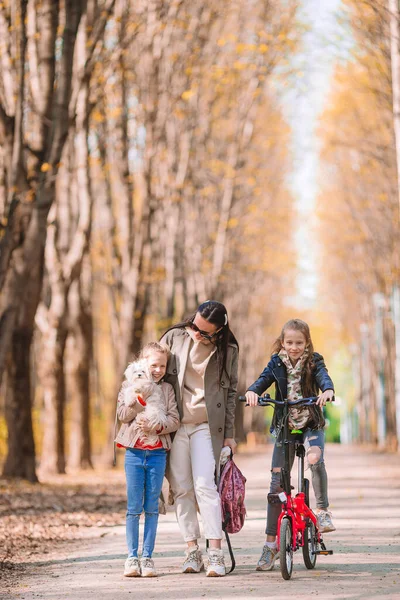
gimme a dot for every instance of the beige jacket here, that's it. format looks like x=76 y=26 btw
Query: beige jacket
x=220 y=398
x=129 y=432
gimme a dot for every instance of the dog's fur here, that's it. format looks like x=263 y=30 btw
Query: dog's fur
x=141 y=384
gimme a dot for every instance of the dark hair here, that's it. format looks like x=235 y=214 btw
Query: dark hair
x=214 y=312
x=299 y=325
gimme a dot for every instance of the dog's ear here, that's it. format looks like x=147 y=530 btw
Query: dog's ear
x=144 y=365
x=129 y=371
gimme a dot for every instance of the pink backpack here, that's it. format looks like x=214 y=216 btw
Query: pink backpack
x=231 y=489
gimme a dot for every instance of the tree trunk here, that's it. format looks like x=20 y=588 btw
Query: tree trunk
x=24 y=241
x=53 y=383
x=20 y=461
x=394 y=10
x=80 y=342
x=396 y=322
x=395 y=64
x=389 y=366
x=18 y=369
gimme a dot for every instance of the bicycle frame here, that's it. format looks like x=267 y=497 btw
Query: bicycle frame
x=296 y=516
x=295 y=508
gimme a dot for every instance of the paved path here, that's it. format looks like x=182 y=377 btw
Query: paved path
x=365 y=500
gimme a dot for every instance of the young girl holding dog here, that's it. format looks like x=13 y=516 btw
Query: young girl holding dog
x=203 y=369
x=145 y=462
x=298 y=372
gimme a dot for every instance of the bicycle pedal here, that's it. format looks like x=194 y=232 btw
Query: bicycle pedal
x=323 y=552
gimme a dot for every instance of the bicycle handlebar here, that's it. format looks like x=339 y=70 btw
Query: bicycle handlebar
x=266 y=400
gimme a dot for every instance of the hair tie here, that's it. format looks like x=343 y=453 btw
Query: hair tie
x=226 y=319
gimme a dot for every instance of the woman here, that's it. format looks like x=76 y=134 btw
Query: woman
x=203 y=369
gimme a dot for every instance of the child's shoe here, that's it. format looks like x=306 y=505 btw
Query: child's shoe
x=216 y=563
x=147 y=567
x=193 y=562
x=132 y=567
x=324 y=519
x=267 y=558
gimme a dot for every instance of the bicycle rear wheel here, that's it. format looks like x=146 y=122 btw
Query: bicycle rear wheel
x=286 y=548
x=310 y=545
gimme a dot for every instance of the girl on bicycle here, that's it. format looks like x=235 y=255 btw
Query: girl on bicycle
x=144 y=463
x=298 y=372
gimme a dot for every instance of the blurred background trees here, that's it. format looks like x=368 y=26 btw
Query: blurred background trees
x=143 y=163
x=359 y=212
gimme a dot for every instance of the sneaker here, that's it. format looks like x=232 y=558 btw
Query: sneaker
x=147 y=567
x=132 y=567
x=216 y=563
x=193 y=562
x=267 y=558
x=324 y=519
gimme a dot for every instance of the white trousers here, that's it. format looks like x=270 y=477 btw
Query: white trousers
x=192 y=468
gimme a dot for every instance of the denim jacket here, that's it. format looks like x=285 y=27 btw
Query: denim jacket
x=275 y=372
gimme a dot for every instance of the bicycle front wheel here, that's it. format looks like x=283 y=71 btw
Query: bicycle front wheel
x=286 y=548
x=310 y=545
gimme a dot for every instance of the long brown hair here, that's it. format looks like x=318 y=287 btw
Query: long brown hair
x=299 y=325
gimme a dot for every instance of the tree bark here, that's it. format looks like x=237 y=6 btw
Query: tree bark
x=53 y=325
x=24 y=245
x=20 y=460
x=80 y=344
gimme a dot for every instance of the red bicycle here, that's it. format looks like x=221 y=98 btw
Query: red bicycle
x=297 y=524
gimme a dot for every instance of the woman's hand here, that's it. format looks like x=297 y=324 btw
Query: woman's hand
x=325 y=397
x=231 y=443
x=251 y=398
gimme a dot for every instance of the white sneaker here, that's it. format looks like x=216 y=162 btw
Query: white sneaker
x=325 y=524
x=216 y=563
x=147 y=567
x=193 y=562
x=132 y=567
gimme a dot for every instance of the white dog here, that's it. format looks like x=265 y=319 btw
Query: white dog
x=141 y=384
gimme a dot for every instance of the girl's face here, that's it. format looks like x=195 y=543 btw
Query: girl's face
x=157 y=362
x=294 y=342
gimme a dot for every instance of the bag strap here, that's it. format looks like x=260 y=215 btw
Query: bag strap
x=233 y=561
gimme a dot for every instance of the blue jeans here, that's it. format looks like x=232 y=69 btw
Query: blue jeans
x=144 y=470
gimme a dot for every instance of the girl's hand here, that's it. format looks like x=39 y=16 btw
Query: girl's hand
x=143 y=423
x=251 y=398
x=325 y=397
x=231 y=443
x=135 y=398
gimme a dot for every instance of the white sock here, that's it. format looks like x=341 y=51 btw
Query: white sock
x=271 y=545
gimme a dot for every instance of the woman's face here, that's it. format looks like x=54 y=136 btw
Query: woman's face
x=294 y=342
x=157 y=362
x=201 y=326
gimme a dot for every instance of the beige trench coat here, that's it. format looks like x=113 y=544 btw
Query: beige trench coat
x=220 y=398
